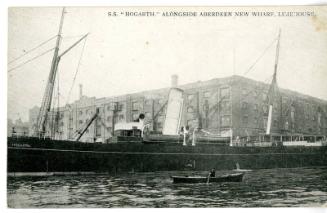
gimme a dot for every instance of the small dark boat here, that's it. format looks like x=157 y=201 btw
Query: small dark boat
x=236 y=177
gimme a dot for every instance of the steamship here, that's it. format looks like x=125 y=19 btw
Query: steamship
x=134 y=147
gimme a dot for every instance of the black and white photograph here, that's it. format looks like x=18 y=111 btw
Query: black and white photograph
x=166 y=107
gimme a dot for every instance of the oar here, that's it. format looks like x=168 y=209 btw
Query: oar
x=208 y=178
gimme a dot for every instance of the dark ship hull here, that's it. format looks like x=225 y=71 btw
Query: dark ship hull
x=33 y=155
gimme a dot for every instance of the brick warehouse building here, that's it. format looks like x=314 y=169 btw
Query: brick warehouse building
x=216 y=105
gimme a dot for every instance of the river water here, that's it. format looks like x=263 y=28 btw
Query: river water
x=297 y=187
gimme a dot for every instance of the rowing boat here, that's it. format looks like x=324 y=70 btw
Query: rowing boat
x=236 y=177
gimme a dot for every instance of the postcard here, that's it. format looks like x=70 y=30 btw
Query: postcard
x=167 y=107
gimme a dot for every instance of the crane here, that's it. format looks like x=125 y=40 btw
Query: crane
x=81 y=132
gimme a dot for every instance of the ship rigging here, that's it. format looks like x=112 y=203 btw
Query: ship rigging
x=40 y=129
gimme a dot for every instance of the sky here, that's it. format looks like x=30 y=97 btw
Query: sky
x=129 y=54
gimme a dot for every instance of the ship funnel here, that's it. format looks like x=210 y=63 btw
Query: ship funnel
x=174 y=81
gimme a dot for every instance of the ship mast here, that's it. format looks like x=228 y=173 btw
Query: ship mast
x=47 y=97
x=273 y=87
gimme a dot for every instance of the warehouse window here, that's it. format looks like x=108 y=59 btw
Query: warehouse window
x=192 y=123
x=160 y=118
x=135 y=116
x=244 y=105
x=275 y=122
x=245 y=119
x=256 y=94
x=121 y=117
x=306 y=116
x=255 y=107
x=224 y=93
x=225 y=120
x=225 y=107
x=148 y=115
x=121 y=106
x=190 y=97
x=206 y=94
x=286 y=125
x=135 y=106
x=159 y=125
x=319 y=119
x=292 y=113
x=244 y=92
x=264 y=96
x=190 y=109
x=161 y=101
x=206 y=106
x=98 y=131
x=109 y=118
x=147 y=102
x=265 y=121
x=285 y=100
x=113 y=106
x=275 y=109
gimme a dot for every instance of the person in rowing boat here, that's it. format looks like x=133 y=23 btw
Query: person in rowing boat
x=213 y=173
